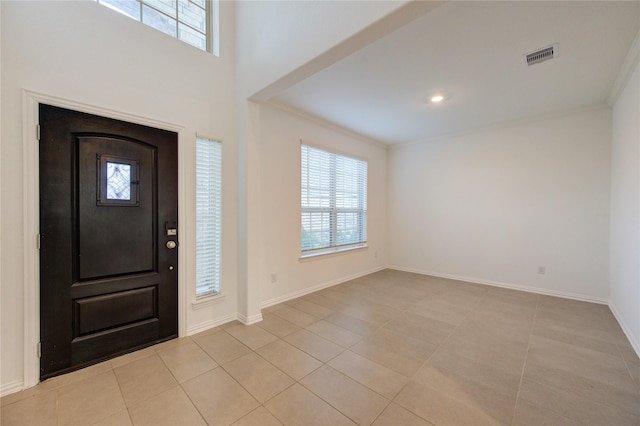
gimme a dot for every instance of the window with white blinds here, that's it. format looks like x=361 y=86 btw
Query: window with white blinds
x=208 y=216
x=334 y=201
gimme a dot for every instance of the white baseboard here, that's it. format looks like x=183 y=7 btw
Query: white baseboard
x=207 y=325
x=11 y=387
x=564 y=295
x=627 y=331
x=250 y=320
x=308 y=290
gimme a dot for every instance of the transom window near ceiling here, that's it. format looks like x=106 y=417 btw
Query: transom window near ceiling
x=334 y=202
x=187 y=20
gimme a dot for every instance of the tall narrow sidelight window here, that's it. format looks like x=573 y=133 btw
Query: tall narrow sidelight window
x=186 y=20
x=208 y=216
x=334 y=202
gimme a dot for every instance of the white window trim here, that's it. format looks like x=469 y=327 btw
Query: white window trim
x=310 y=254
x=207 y=300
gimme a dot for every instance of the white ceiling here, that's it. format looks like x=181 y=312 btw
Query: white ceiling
x=473 y=52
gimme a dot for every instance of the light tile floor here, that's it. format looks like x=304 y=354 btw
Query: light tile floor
x=391 y=348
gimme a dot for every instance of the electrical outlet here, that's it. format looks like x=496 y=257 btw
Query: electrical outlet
x=274 y=277
x=542 y=270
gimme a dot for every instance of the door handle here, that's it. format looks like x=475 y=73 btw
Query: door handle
x=171 y=244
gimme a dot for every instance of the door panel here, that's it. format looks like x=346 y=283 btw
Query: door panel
x=107 y=311
x=108 y=282
x=101 y=247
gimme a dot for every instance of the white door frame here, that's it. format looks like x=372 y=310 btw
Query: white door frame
x=31 y=208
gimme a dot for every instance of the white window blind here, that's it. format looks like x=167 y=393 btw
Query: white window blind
x=186 y=20
x=334 y=200
x=208 y=216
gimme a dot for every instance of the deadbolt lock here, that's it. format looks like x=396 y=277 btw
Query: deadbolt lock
x=171 y=244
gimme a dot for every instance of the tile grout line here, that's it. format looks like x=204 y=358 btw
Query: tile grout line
x=260 y=404
x=58 y=404
x=419 y=368
x=435 y=350
x=155 y=351
x=362 y=337
x=526 y=356
x=295 y=381
x=218 y=365
x=349 y=378
x=471 y=311
x=452 y=331
x=181 y=385
x=298 y=381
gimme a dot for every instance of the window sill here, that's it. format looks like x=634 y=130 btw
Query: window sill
x=333 y=251
x=205 y=301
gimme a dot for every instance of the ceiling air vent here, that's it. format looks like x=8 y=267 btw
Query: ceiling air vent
x=542 y=55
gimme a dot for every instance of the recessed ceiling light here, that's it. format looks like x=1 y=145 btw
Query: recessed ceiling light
x=437 y=98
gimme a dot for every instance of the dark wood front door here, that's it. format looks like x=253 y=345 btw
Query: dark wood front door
x=108 y=217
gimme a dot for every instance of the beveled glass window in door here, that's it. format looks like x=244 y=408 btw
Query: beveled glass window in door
x=117 y=183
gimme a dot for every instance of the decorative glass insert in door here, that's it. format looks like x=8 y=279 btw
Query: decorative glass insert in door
x=117 y=181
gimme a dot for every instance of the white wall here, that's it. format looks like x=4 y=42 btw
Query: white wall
x=84 y=52
x=281 y=133
x=494 y=205
x=277 y=37
x=274 y=38
x=625 y=210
